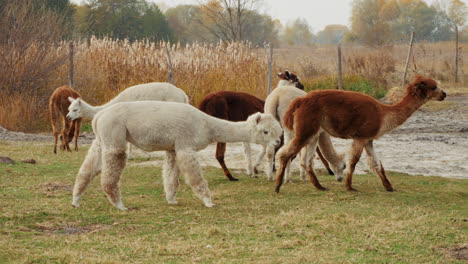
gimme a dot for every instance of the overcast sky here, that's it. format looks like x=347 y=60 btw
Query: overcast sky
x=318 y=13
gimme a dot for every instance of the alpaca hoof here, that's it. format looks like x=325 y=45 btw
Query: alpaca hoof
x=122 y=208
x=209 y=205
x=277 y=189
x=391 y=189
x=255 y=171
x=207 y=202
x=321 y=188
x=232 y=179
x=350 y=189
x=172 y=202
x=76 y=205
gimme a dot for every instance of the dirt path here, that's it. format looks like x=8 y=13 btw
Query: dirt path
x=431 y=142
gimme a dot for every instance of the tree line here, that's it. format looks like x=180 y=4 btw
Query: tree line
x=373 y=22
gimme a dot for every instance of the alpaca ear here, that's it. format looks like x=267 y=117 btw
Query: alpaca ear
x=258 y=118
x=288 y=75
x=71 y=99
x=421 y=89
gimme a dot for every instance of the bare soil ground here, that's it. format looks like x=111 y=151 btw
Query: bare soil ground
x=434 y=141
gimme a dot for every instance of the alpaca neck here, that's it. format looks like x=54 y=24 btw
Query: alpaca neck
x=398 y=113
x=226 y=131
x=89 y=111
x=284 y=83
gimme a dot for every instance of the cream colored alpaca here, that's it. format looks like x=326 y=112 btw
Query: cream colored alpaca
x=179 y=129
x=143 y=92
x=277 y=104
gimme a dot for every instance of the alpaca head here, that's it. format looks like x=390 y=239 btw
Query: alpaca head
x=426 y=89
x=291 y=78
x=265 y=129
x=74 y=110
x=338 y=168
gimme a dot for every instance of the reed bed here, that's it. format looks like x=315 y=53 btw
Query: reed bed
x=104 y=67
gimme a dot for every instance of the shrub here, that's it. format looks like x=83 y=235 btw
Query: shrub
x=350 y=83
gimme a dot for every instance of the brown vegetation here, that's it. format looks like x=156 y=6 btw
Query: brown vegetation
x=104 y=67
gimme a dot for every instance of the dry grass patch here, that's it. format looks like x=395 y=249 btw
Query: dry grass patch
x=250 y=224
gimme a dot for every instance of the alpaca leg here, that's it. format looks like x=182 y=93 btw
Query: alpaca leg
x=189 y=166
x=259 y=159
x=113 y=164
x=336 y=161
x=310 y=169
x=305 y=157
x=247 y=156
x=287 y=173
x=220 y=150
x=376 y=166
x=277 y=149
x=325 y=162
x=77 y=132
x=89 y=169
x=285 y=154
x=129 y=151
x=270 y=152
x=56 y=135
x=354 y=156
x=53 y=123
x=171 y=177
x=65 y=131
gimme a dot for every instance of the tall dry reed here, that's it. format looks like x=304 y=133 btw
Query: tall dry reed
x=104 y=67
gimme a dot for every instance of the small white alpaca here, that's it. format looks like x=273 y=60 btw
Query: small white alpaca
x=154 y=91
x=277 y=104
x=179 y=129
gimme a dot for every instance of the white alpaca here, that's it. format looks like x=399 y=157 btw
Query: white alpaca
x=277 y=104
x=287 y=79
x=179 y=129
x=143 y=92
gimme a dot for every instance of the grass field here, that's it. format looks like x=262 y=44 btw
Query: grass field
x=425 y=221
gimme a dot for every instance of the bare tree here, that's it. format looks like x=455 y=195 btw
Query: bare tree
x=225 y=19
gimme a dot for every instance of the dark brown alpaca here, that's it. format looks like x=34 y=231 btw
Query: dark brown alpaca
x=351 y=115
x=58 y=106
x=237 y=106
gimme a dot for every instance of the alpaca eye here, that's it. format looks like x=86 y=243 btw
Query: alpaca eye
x=433 y=88
x=265 y=132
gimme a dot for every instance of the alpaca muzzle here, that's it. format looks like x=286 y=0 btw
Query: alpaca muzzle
x=70 y=117
x=442 y=95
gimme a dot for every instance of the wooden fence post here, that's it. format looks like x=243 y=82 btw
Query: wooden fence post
x=340 y=74
x=170 y=74
x=70 y=66
x=456 y=54
x=270 y=68
x=408 y=59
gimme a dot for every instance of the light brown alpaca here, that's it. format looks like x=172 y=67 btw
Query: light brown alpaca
x=350 y=115
x=58 y=106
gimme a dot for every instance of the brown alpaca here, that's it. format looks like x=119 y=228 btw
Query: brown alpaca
x=351 y=115
x=237 y=106
x=58 y=106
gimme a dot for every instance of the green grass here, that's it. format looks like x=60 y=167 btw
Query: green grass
x=86 y=127
x=350 y=83
x=250 y=223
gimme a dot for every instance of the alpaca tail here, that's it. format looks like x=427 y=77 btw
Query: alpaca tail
x=288 y=118
x=52 y=113
x=271 y=107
